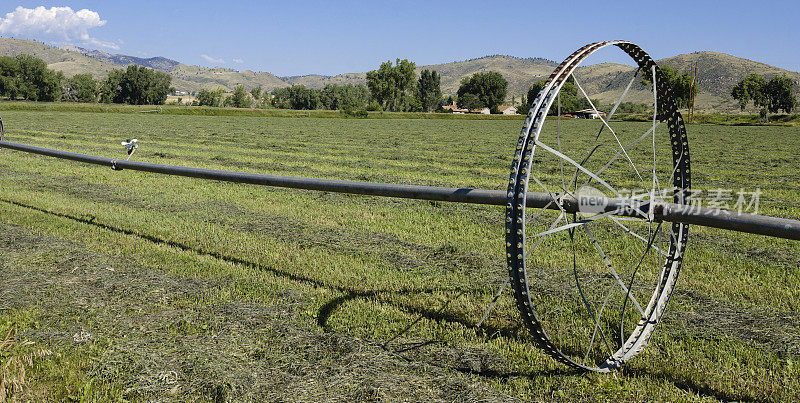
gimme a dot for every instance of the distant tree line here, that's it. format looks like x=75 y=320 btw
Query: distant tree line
x=771 y=96
x=396 y=88
x=391 y=87
x=28 y=77
x=332 y=96
x=298 y=96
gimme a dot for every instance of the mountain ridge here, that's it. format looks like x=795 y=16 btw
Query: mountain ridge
x=158 y=62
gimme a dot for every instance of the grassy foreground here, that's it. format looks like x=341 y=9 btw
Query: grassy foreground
x=135 y=286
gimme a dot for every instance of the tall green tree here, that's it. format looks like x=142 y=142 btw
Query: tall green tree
x=111 y=87
x=779 y=94
x=136 y=85
x=206 y=97
x=82 y=88
x=530 y=96
x=681 y=84
x=239 y=99
x=771 y=96
x=8 y=77
x=256 y=93
x=570 y=100
x=429 y=90
x=489 y=87
x=28 y=77
x=391 y=85
x=470 y=101
x=751 y=88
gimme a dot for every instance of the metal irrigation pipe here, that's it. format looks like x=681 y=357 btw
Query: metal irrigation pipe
x=708 y=217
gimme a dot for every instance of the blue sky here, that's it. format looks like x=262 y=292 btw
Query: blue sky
x=330 y=37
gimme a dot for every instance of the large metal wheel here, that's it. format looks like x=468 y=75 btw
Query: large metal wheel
x=592 y=286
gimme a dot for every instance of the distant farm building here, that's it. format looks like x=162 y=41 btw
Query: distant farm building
x=507 y=109
x=589 y=114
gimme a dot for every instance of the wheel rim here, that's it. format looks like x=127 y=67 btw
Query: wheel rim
x=609 y=291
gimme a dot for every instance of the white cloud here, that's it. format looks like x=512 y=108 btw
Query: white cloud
x=211 y=59
x=238 y=61
x=56 y=23
x=96 y=42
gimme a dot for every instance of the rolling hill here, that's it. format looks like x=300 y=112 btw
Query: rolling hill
x=519 y=72
x=319 y=81
x=72 y=60
x=717 y=73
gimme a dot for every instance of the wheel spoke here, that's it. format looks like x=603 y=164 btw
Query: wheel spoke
x=675 y=169
x=629 y=231
x=588 y=172
x=609 y=127
x=494 y=301
x=573 y=224
x=579 y=166
x=618 y=153
x=610 y=267
x=616 y=105
x=611 y=161
x=552 y=198
x=630 y=284
x=619 y=101
x=597 y=324
x=541 y=210
x=558 y=137
x=544 y=235
x=655 y=119
x=599 y=132
x=580 y=291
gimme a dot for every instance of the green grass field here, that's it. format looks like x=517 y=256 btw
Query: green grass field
x=136 y=286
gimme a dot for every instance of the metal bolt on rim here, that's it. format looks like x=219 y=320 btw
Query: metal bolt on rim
x=520 y=245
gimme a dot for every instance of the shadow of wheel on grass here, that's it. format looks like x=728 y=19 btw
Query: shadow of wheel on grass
x=328 y=309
